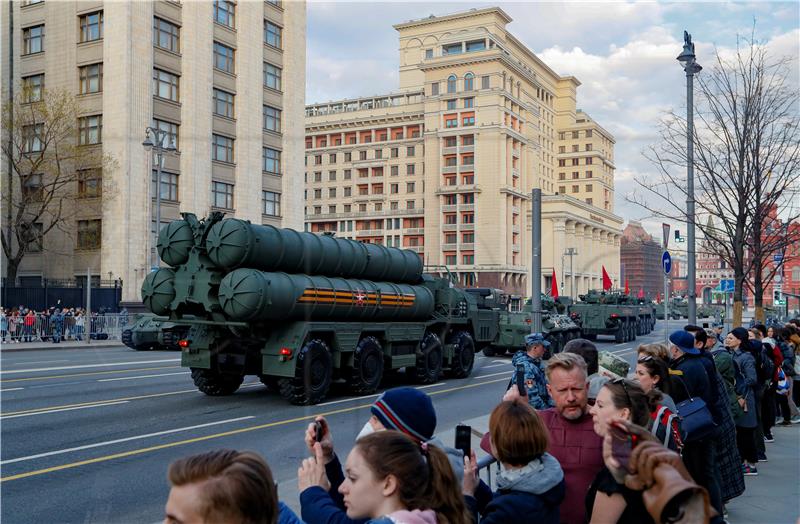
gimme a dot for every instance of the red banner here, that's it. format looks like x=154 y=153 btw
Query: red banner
x=607 y=284
x=554 y=285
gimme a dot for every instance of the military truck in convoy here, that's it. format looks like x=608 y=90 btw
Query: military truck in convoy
x=146 y=332
x=601 y=313
x=301 y=310
x=557 y=327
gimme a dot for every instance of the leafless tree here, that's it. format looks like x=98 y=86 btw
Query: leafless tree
x=746 y=162
x=46 y=171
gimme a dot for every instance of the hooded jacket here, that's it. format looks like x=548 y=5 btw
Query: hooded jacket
x=532 y=493
x=427 y=516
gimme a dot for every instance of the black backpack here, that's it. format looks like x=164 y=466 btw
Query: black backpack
x=765 y=367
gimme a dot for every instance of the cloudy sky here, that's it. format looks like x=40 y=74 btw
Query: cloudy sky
x=623 y=53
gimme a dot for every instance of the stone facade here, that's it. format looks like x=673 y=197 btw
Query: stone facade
x=131 y=53
x=446 y=165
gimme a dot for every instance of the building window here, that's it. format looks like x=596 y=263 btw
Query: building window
x=451 y=104
x=272 y=119
x=32 y=188
x=434 y=88
x=588 y=147
x=410 y=187
x=223 y=58
x=32 y=88
x=348 y=191
x=166 y=35
x=171 y=130
x=222 y=195
x=410 y=204
x=451 y=83
x=348 y=157
x=575 y=175
x=272 y=76
x=169 y=186
x=450 y=141
x=223 y=103
x=589 y=161
x=562 y=189
x=588 y=174
x=574 y=189
x=410 y=151
x=485 y=82
x=32 y=136
x=332 y=158
x=429 y=53
x=469 y=82
x=589 y=201
x=272 y=34
x=90 y=183
x=165 y=85
x=468 y=259
x=35 y=238
x=562 y=176
x=575 y=134
x=451 y=49
x=394 y=152
x=588 y=133
x=348 y=174
x=468 y=140
x=90 y=130
x=450 y=260
x=588 y=187
x=468 y=238
x=33 y=40
x=468 y=218
x=469 y=102
x=379 y=153
x=331 y=192
x=468 y=121
x=92 y=26
x=575 y=161
x=394 y=170
x=222 y=149
x=451 y=122
x=272 y=161
x=224 y=12
x=90 y=233
x=476 y=45
x=272 y=203
x=410 y=170
x=91 y=78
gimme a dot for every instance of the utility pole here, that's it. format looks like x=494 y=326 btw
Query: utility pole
x=571 y=252
x=536 y=260
x=154 y=140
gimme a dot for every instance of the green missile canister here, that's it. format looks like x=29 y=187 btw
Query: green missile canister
x=249 y=294
x=174 y=242
x=158 y=291
x=234 y=243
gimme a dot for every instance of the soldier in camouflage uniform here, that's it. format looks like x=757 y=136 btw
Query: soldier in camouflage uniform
x=535 y=380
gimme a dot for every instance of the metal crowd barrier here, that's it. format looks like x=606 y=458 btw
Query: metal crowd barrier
x=44 y=328
x=485 y=467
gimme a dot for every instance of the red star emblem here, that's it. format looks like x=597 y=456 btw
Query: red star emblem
x=360 y=296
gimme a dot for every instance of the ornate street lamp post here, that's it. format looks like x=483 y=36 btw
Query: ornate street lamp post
x=154 y=141
x=690 y=65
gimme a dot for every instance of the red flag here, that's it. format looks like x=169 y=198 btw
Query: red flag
x=627 y=289
x=606 y=280
x=658 y=297
x=554 y=285
x=641 y=293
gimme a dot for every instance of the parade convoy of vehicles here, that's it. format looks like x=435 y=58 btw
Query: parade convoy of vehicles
x=303 y=311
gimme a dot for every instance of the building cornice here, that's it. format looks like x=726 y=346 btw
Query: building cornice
x=454 y=16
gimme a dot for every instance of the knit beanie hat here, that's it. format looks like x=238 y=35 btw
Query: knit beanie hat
x=408 y=410
x=742 y=334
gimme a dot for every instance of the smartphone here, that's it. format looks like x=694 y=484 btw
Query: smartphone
x=319 y=431
x=464 y=439
x=520 y=380
x=622 y=444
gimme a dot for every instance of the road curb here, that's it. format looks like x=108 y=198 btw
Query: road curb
x=51 y=347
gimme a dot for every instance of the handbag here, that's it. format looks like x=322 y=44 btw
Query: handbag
x=696 y=420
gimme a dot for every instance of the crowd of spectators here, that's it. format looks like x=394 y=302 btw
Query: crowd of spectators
x=54 y=324
x=672 y=443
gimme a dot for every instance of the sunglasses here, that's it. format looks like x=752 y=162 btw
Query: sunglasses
x=622 y=382
x=645 y=358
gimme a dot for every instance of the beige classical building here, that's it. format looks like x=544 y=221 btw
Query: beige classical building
x=226 y=80
x=445 y=165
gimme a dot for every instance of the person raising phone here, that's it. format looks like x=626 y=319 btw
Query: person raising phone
x=608 y=499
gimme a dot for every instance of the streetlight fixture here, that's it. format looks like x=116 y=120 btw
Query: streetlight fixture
x=690 y=66
x=154 y=141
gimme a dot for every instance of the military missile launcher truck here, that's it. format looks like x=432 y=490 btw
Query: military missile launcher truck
x=600 y=313
x=557 y=328
x=146 y=332
x=301 y=310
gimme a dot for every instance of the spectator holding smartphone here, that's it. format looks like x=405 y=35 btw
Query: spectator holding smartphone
x=609 y=499
x=531 y=481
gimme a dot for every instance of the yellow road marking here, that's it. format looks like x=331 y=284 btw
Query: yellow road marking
x=5 y=381
x=218 y=435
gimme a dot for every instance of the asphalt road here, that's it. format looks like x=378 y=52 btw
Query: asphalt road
x=87 y=434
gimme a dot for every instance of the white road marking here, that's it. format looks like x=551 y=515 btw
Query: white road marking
x=113 y=364
x=431 y=385
x=10 y=389
x=127 y=439
x=142 y=376
x=65 y=409
x=502 y=361
x=492 y=375
x=496 y=365
x=350 y=399
x=37 y=362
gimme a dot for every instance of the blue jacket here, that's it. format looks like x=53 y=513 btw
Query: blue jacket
x=535 y=380
x=286 y=515
x=530 y=494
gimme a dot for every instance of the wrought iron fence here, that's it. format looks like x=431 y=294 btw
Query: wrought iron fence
x=45 y=328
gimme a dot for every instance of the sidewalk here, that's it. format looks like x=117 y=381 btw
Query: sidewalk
x=70 y=344
x=773 y=497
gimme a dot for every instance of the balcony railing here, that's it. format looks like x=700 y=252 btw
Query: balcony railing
x=464 y=188
x=467 y=227
x=449 y=207
x=449 y=227
x=449 y=247
x=418 y=249
x=414 y=231
x=467 y=207
x=369 y=232
x=446 y=170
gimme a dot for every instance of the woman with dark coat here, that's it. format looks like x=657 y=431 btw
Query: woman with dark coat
x=738 y=341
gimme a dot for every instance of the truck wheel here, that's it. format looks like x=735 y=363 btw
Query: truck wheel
x=463 y=355
x=488 y=351
x=312 y=375
x=216 y=384
x=429 y=360
x=621 y=334
x=633 y=330
x=367 y=370
x=270 y=381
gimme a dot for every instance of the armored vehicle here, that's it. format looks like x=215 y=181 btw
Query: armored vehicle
x=601 y=313
x=146 y=332
x=557 y=328
x=302 y=311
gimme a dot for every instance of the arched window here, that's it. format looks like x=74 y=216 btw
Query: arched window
x=469 y=80
x=451 y=84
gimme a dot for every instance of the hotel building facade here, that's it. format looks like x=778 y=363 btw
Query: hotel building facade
x=225 y=80
x=446 y=164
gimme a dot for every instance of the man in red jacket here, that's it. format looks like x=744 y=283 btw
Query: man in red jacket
x=573 y=441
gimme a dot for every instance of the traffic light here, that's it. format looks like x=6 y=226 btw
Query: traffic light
x=777 y=298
